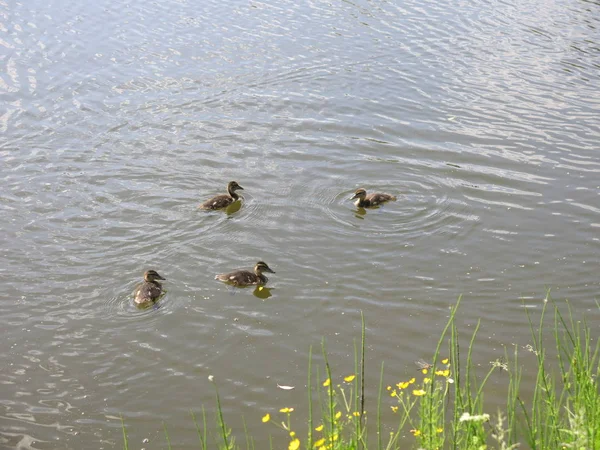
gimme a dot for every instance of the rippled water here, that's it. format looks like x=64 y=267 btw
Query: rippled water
x=119 y=119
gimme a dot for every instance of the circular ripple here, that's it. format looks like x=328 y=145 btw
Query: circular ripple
x=420 y=208
x=248 y=210
x=123 y=307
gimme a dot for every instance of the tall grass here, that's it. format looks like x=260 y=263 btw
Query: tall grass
x=445 y=407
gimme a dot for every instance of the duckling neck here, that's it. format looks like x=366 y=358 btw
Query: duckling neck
x=232 y=194
x=361 y=202
x=260 y=275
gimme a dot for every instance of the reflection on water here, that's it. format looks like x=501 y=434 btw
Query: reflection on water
x=150 y=305
x=262 y=292
x=234 y=207
x=481 y=118
x=359 y=213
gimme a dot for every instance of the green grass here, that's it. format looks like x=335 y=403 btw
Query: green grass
x=444 y=406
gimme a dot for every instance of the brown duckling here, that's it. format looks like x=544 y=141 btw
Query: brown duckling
x=243 y=278
x=148 y=291
x=223 y=200
x=364 y=200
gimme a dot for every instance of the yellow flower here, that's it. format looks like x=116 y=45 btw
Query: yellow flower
x=445 y=361
x=439 y=430
x=286 y=410
x=394 y=393
x=424 y=371
x=338 y=414
x=389 y=388
x=319 y=428
x=411 y=381
x=327 y=382
x=419 y=392
x=292 y=434
x=443 y=373
x=320 y=442
x=356 y=414
x=426 y=380
x=266 y=417
x=294 y=445
x=416 y=432
x=349 y=378
x=403 y=385
x=394 y=408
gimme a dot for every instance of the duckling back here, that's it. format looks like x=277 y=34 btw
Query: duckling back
x=242 y=278
x=218 y=202
x=147 y=292
x=379 y=198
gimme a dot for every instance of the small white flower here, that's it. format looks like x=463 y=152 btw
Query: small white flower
x=210 y=378
x=466 y=417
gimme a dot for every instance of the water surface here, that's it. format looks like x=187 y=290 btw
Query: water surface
x=119 y=119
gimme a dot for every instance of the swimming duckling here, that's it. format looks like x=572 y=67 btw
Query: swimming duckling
x=148 y=291
x=364 y=200
x=243 y=278
x=223 y=200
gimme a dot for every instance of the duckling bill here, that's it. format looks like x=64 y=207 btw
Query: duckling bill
x=223 y=200
x=150 y=290
x=364 y=201
x=241 y=278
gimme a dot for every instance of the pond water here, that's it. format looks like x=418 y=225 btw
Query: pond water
x=119 y=118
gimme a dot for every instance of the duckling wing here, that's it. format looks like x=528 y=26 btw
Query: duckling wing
x=239 y=278
x=218 y=202
x=378 y=198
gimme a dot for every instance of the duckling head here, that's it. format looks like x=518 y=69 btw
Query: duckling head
x=262 y=267
x=234 y=186
x=152 y=275
x=360 y=193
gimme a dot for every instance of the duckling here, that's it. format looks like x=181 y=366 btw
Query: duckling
x=148 y=291
x=364 y=200
x=241 y=278
x=223 y=200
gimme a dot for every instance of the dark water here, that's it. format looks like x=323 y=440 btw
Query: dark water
x=117 y=119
